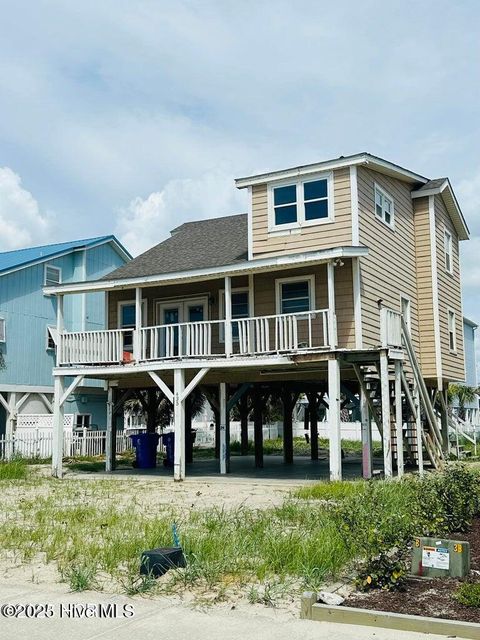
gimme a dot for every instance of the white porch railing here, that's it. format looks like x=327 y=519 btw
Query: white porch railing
x=93 y=347
x=262 y=335
x=390 y=328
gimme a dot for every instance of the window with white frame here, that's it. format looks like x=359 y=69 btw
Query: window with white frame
x=300 y=203
x=240 y=309
x=384 y=206
x=50 y=338
x=3 y=336
x=295 y=295
x=452 y=333
x=448 y=251
x=83 y=421
x=53 y=275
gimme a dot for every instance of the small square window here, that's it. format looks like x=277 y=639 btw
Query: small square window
x=53 y=275
x=83 y=421
x=285 y=204
x=3 y=336
x=295 y=296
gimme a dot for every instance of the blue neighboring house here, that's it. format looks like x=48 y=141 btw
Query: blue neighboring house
x=28 y=320
x=469 y=336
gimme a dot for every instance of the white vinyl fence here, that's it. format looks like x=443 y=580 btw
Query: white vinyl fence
x=38 y=443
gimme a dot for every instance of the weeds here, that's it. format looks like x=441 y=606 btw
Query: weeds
x=469 y=594
x=80 y=577
x=16 y=469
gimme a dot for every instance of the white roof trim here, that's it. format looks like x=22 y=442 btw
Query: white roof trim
x=241 y=268
x=363 y=158
x=451 y=203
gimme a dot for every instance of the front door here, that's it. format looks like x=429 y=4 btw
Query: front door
x=177 y=312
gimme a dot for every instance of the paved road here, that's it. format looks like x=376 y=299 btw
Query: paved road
x=165 y=618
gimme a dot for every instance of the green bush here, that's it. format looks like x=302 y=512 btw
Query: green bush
x=469 y=594
x=447 y=502
x=386 y=571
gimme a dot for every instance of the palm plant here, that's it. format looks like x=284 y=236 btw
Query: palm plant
x=157 y=409
x=464 y=394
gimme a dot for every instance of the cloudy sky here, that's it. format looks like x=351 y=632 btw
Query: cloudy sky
x=133 y=116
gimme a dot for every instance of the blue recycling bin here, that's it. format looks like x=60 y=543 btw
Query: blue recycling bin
x=169 y=444
x=145 y=449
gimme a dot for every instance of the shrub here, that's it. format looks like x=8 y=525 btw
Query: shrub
x=388 y=570
x=469 y=594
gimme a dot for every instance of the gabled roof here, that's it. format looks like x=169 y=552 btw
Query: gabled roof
x=364 y=158
x=442 y=187
x=202 y=244
x=20 y=258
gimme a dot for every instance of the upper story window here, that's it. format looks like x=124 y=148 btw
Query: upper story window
x=51 y=338
x=448 y=251
x=3 y=336
x=452 y=333
x=384 y=206
x=300 y=203
x=295 y=295
x=53 y=275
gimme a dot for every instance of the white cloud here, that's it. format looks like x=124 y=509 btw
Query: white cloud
x=21 y=222
x=147 y=221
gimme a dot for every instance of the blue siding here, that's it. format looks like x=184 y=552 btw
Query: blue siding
x=28 y=312
x=470 y=360
x=94 y=404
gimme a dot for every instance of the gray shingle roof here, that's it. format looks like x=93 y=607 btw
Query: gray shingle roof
x=432 y=184
x=194 y=245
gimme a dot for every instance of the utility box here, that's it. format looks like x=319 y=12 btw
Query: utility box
x=437 y=558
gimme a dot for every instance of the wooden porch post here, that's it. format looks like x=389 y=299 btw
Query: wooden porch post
x=367 y=462
x=287 y=425
x=58 y=416
x=387 y=434
x=138 y=324
x=258 y=426
x=332 y=327
x=244 y=424
x=188 y=430
x=334 y=418
x=224 y=431
x=313 y=414
x=419 y=430
x=10 y=426
x=110 y=444
x=399 y=417
x=444 y=421
x=179 y=425
x=228 y=316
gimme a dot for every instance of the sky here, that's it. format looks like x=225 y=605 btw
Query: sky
x=133 y=117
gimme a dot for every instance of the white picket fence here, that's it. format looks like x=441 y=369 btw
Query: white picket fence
x=38 y=443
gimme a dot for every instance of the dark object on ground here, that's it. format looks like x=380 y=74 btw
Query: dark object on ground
x=145 y=445
x=156 y=562
x=168 y=440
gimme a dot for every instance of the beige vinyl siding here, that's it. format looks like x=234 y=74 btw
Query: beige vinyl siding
x=265 y=302
x=389 y=269
x=264 y=297
x=309 y=238
x=424 y=288
x=449 y=296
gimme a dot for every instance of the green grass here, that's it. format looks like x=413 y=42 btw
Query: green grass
x=95 y=531
x=469 y=594
x=16 y=469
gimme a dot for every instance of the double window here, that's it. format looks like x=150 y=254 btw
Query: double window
x=447 y=239
x=301 y=203
x=384 y=206
x=295 y=295
x=83 y=421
